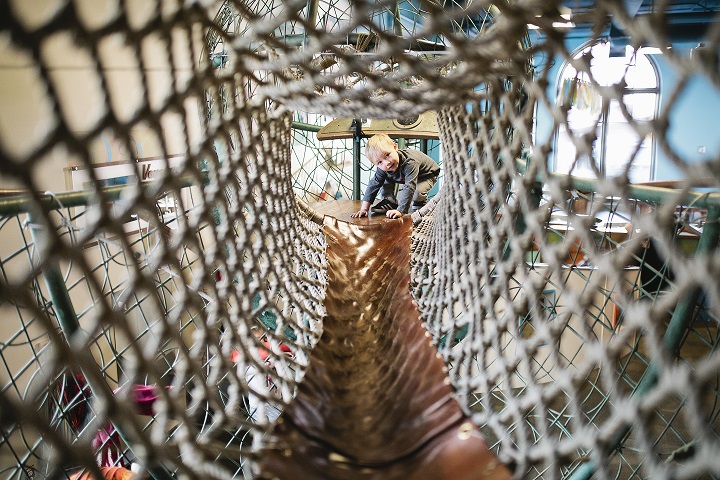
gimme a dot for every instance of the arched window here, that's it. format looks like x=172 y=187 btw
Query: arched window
x=616 y=145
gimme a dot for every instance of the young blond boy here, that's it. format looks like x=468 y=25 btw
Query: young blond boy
x=415 y=171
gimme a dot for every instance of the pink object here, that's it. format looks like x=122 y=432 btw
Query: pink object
x=107 y=440
x=264 y=352
x=107 y=444
x=144 y=397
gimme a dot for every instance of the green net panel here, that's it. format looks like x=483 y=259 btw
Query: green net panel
x=163 y=272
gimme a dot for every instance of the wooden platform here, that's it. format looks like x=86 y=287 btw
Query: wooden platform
x=423 y=126
x=342 y=209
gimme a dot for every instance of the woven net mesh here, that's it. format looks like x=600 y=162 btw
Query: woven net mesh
x=189 y=287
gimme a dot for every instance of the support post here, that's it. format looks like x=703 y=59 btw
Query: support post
x=424 y=145
x=312 y=12
x=679 y=323
x=357 y=135
x=70 y=326
x=519 y=225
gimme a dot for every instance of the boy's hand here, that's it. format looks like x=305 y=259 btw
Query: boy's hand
x=361 y=213
x=394 y=214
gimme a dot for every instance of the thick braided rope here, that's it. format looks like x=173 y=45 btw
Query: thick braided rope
x=538 y=356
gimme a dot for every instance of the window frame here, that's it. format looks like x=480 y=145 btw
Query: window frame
x=602 y=122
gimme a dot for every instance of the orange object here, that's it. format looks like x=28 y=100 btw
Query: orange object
x=575 y=253
x=109 y=473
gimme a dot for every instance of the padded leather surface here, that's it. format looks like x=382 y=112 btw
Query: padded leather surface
x=375 y=402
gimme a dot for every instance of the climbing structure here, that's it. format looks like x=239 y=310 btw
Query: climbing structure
x=167 y=291
x=375 y=401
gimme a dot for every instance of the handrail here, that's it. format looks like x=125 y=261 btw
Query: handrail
x=16 y=204
x=418 y=215
x=306 y=127
x=25 y=203
x=672 y=339
x=312 y=214
x=17 y=201
x=69 y=324
x=646 y=193
x=642 y=192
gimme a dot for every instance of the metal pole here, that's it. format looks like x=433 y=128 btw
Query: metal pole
x=424 y=145
x=520 y=225
x=25 y=202
x=679 y=323
x=357 y=135
x=645 y=193
x=306 y=127
x=68 y=321
x=312 y=9
x=397 y=23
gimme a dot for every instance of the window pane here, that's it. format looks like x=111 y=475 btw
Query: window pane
x=583 y=119
x=624 y=149
x=566 y=153
x=623 y=140
x=642 y=74
x=641 y=106
x=635 y=68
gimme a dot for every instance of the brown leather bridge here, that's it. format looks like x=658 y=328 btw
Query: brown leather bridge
x=376 y=402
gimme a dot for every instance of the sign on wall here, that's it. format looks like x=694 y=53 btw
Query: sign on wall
x=124 y=173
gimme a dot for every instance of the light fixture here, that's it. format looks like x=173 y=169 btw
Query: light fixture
x=651 y=50
x=566 y=22
x=559 y=25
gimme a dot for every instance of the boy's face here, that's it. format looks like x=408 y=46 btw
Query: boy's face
x=387 y=159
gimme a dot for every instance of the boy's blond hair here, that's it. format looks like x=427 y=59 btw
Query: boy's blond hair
x=377 y=144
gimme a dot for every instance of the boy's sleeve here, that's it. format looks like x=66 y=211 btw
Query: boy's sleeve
x=376 y=181
x=411 y=171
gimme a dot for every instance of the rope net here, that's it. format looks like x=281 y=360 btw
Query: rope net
x=161 y=315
